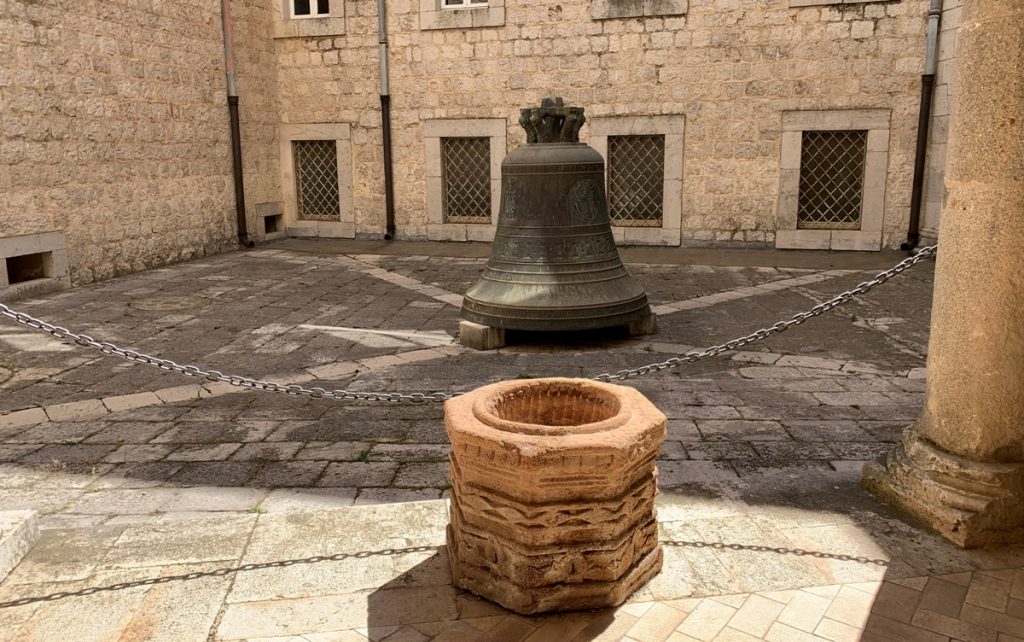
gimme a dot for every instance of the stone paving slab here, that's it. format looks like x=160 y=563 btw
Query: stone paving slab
x=90 y=439
x=139 y=474
x=19 y=531
x=734 y=570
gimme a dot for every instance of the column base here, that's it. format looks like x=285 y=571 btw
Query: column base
x=972 y=504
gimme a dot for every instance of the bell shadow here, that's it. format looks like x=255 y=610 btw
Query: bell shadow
x=597 y=339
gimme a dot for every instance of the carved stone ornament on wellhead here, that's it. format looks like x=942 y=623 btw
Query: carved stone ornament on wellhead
x=553 y=486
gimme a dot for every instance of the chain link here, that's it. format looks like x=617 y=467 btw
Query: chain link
x=108 y=348
x=780 y=326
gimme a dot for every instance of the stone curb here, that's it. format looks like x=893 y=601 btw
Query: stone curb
x=19 y=531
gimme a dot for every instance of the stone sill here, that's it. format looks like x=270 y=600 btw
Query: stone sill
x=309 y=27
x=36 y=287
x=433 y=17
x=794 y=4
x=612 y=9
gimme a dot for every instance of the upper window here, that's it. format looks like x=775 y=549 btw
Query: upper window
x=311 y=8
x=463 y=4
x=454 y=14
x=309 y=18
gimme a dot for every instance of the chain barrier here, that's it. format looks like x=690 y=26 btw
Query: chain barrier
x=778 y=327
x=84 y=340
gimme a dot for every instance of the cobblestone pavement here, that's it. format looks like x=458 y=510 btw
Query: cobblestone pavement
x=92 y=440
x=175 y=510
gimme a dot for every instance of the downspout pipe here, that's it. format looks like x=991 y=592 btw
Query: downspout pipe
x=236 y=133
x=385 y=122
x=923 y=123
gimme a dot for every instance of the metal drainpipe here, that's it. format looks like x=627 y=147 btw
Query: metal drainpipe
x=236 y=134
x=923 y=123
x=385 y=122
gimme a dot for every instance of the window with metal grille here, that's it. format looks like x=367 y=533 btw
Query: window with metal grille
x=466 y=177
x=636 y=180
x=831 y=180
x=316 y=180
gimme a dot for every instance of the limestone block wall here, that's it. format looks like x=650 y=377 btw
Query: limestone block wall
x=256 y=73
x=730 y=67
x=114 y=128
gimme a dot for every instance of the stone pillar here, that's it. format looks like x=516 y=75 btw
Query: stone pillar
x=960 y=467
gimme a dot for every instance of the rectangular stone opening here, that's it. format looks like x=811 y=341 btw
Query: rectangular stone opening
x=832 y=180
x=273 y=224
x=29 y=267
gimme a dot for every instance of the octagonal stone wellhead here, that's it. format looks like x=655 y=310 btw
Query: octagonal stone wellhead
x=553 y=486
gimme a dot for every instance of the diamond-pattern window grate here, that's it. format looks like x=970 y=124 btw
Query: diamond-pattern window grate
x=636 y=180
x=831 y=180
x=316 y=180
x=466 y=176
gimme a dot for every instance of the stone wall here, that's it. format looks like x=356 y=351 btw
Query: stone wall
x=731 y=67
x=256 y=72
x=938 y=135
x=115 y=128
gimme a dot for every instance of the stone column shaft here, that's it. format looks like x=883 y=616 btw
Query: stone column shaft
x=961 y=465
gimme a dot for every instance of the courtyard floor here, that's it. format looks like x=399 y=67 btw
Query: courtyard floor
x=173 y=509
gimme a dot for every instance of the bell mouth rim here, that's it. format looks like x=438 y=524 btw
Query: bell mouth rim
x=491 y=410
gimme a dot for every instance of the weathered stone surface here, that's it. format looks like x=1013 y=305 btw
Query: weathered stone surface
x=969 y=502
x=553 y=485
x=19 y=530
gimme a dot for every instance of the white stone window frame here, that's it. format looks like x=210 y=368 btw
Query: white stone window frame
x=56 y=276
x=673 y=127
x=435 y=15
x=287 y=25
x=872 y=214
x=612 y=9
x=314 y=10
x=464 y=4
x=494 y=129
x=341 y=134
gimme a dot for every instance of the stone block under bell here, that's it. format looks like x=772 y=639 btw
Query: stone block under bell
x=554 y=265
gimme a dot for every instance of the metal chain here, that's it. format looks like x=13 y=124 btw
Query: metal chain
x=214 y=375
x=775 y=328
x=108 y=348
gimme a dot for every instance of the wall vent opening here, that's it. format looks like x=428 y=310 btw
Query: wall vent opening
x=273 y=224
x=29 y=267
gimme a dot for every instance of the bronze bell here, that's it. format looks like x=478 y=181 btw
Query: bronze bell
x=554 y=265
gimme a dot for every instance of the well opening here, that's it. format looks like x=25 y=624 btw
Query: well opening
x=551 y=408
